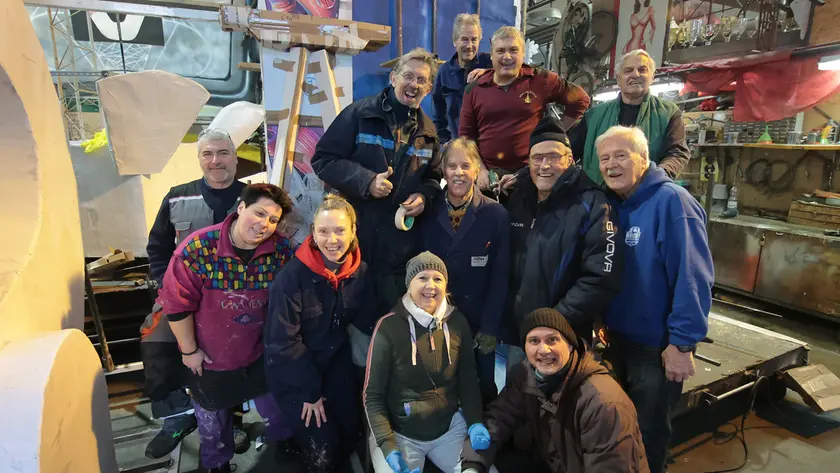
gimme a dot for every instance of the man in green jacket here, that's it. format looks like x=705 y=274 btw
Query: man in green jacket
x=659 y=119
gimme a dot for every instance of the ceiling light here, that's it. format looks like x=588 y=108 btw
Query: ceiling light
x=549 y=16
x=829 y=63
x=605 y=95
x=663 y=87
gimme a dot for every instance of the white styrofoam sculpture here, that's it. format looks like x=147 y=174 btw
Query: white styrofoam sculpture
x=147 y=114
x=119 y=211
x=52 y=389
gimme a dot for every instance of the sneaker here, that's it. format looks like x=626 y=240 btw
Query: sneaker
x=241 y=441
x=174 y=429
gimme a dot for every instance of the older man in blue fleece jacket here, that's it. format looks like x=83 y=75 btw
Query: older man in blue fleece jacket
x=661 y=313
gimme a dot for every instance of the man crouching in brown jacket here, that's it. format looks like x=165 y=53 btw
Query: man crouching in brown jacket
x=578 y=417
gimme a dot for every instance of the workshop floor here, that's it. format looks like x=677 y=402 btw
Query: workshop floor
x=782 y=436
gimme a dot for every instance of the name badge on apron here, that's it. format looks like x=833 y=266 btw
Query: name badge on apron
x=479 y=261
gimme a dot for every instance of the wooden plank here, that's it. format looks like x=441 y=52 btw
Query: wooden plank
x=813 y=223
x=826 y=195
x=815 y=217
x=335 y=35
x=319 y=66
x=109 y=262
x=815 y=208
x=294 y=64
x=249 y=66
x=818 y=386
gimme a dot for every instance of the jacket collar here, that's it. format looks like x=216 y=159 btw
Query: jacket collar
x=424 y=318
x=374 y=106
x=572 y=181
x=581 y=367
x=487 y=78
x=224 y=247
x=314 y=260
x=442 y=211
x=454 y=66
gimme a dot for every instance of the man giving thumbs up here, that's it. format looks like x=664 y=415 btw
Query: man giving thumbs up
x=381 y=154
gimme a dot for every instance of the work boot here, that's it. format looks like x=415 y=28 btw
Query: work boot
x=241 y=441
x=174 y=429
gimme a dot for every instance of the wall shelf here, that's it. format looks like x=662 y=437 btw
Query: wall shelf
x=771 y=146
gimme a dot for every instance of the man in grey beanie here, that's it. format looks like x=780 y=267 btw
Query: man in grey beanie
x=559 y=388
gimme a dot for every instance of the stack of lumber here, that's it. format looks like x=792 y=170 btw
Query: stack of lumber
x=815 y=214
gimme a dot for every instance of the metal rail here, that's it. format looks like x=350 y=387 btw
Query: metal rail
x=189 y=11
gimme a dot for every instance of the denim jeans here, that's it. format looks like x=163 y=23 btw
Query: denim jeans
x=640 y=372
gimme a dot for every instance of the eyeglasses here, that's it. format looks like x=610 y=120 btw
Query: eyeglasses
x=553 y=159
x=409 y=77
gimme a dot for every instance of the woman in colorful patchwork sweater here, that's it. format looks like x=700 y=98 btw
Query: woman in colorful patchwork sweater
x=420 y=371
x=215 y=294
x=307 y=353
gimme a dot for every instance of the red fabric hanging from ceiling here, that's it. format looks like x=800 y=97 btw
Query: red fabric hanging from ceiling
x=768 y=87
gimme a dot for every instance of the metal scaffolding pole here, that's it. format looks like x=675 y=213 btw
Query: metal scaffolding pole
x=60 y=86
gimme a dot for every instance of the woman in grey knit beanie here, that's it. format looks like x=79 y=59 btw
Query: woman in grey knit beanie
x=420 y=370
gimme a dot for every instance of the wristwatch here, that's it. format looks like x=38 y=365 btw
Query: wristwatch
x=686 y=348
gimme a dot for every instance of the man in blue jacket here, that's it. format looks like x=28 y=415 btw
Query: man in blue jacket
x=661 y=313
x=471 y=234
x=451 y=80
x=381 y=154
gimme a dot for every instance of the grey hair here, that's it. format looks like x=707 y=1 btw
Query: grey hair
x=215 y=134
x=631 y=134
x=467 y=146
x=465 y=19
x=634 y=53
x=419 y=54
x=506 y=32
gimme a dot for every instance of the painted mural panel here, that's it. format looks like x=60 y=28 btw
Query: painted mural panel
x=642 y=25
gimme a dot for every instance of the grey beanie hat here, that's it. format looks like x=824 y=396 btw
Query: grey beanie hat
x=423 y=261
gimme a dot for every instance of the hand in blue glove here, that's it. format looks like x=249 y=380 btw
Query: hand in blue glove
x=397 y=463
x=479 y=437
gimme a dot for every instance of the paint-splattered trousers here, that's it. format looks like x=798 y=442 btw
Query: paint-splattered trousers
x=216 y=430
x=327 y=449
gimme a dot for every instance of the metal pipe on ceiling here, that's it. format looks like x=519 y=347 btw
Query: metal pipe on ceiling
x=399 y=29
x=189 y=11
x=434 y=26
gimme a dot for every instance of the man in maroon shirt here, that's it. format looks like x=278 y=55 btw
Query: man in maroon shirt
x=503 y=106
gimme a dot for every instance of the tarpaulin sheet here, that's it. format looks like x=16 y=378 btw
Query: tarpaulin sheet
x=768 y=87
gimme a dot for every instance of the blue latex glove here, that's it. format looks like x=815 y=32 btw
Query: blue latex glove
x=397 y=463
x=479 y=437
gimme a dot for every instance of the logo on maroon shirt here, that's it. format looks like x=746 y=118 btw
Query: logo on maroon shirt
x=526 y=96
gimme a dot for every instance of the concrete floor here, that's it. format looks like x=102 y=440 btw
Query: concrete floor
x=782 y=436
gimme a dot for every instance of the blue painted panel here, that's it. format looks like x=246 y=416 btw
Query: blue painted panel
x=369 y=78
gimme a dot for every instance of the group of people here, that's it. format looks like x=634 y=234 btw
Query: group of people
x=384 y=325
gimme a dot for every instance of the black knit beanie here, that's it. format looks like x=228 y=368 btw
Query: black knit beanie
x=550 y=318
x=549 y=129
